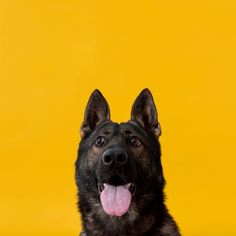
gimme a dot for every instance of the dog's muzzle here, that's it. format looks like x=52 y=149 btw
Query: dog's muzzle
x=116 y=190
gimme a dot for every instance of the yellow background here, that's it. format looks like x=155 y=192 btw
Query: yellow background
x=54 y=53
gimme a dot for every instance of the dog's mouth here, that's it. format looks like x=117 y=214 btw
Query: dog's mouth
x=116 y=196
x=130 y=186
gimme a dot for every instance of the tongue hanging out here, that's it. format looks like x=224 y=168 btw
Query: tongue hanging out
x=115 y=199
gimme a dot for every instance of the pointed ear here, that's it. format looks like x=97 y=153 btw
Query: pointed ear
x=144 y=112
x=97 y=111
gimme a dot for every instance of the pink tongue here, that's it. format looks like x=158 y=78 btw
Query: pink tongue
x=115 y=199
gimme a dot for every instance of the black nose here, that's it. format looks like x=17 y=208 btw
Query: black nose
x=114 y=157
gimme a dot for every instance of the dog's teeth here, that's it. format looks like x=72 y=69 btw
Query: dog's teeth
x=132 y=188
x=101 y=187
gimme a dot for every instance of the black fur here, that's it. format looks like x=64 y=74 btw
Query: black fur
x=137 y=143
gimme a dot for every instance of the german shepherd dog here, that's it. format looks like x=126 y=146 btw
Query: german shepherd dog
x=119 y=172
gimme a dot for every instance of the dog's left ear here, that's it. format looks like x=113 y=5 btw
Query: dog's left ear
x=145 y=113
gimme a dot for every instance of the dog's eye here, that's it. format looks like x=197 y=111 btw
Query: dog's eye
x=100 y=141
x=135 y=141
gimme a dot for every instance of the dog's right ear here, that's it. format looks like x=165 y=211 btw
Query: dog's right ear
x=97 y=111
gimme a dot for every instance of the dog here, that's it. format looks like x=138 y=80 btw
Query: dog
x=119 y=173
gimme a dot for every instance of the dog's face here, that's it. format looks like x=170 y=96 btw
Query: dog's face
x=118 y=167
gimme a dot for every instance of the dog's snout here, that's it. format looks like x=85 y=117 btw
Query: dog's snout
x=114 y=157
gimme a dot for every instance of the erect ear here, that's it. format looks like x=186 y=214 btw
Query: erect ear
x=144 y=112
x=97 y=111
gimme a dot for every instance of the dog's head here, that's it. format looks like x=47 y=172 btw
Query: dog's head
x=118 y=165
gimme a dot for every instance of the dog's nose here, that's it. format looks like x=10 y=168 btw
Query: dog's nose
x=114 y=157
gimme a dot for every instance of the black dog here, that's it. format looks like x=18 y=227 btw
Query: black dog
x=119 y=172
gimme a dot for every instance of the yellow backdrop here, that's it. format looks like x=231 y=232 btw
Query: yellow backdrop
x=54 y=53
